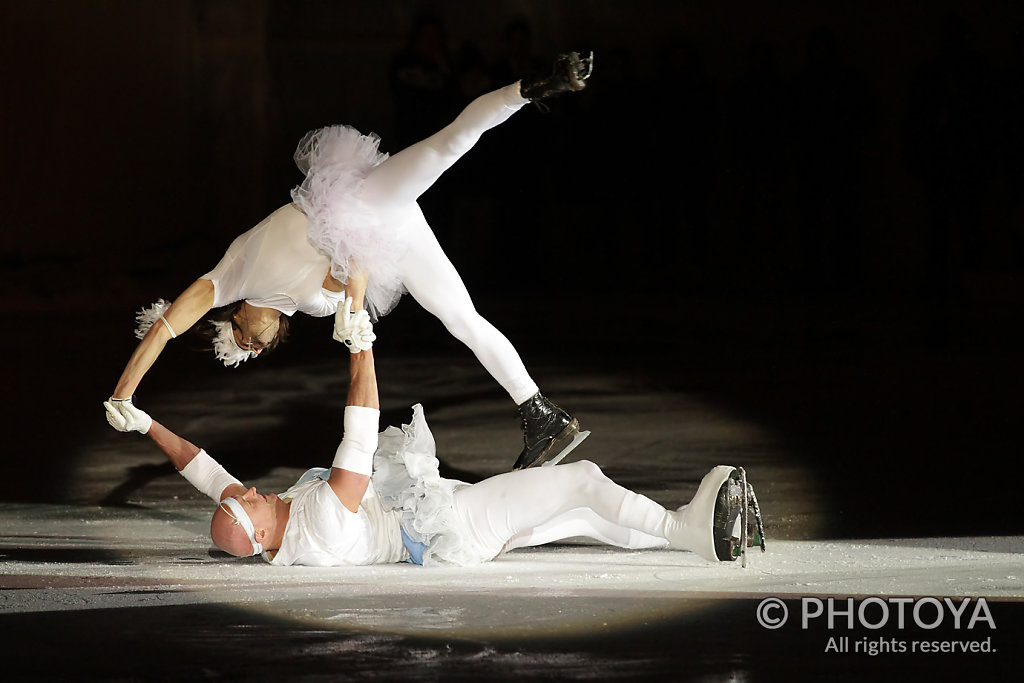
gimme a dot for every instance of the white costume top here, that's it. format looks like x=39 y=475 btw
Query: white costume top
x=406 y=494
x=273 y=265
x=321 y=532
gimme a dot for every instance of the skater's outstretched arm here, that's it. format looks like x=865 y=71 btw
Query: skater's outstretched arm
x=192 y=462
x=352 y=325
x=181 y=453
x=186 y=310
x=355 y=287
x=353 y=463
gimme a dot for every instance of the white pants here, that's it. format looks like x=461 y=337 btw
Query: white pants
x=392 y=189
x=546 y=504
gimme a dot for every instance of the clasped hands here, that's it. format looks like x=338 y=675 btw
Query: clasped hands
x=125 y=417
x=354 y=330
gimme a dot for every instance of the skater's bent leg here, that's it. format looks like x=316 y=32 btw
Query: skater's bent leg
x=504 y=506
x=406 y=175
x=432 y=280
x=585 y=522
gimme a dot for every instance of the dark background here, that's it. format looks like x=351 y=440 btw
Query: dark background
x=811 y=214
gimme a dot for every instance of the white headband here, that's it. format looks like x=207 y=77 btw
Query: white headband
x=226 y=348
x=242 y=517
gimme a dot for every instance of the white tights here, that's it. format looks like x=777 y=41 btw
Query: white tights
x=541 y=505
x=392 y=189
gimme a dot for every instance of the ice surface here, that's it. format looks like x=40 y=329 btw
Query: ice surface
x=122 y=557
x=73 y=558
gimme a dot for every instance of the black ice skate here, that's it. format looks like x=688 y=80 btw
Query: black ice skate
x=549 y=433
x=568 y=74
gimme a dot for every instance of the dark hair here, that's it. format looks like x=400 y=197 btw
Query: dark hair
x=226 y=314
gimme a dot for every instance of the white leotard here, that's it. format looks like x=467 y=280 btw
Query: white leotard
x=273 y=265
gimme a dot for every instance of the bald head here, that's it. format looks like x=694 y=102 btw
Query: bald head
x=228 y=535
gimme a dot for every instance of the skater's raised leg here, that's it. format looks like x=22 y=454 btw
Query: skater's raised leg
x=405 y=176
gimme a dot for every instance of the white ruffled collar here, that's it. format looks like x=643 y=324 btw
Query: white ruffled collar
x=226 y=348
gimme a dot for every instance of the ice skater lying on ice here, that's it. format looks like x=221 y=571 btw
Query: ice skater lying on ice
x=355 y=231
x=383 y=501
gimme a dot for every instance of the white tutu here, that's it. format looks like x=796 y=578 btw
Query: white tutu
x=340 y=225
x=406 y=478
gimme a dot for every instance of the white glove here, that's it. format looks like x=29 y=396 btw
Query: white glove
x=354 y=330
x=125 y=417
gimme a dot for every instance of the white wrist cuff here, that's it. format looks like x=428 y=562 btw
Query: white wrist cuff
x=355 y=453
x=207 y=475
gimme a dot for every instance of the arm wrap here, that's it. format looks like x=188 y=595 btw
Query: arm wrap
x=207 y=475
x=355 y=453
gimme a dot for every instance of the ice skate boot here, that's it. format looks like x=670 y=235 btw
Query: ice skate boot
x=549 y=433
x=717 y=523
x=568 y=74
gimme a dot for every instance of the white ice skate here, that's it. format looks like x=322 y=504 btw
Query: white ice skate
x=716 y=524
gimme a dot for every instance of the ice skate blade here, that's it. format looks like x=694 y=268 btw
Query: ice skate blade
x=746 y=531
x=577 y=439
x=744 y=509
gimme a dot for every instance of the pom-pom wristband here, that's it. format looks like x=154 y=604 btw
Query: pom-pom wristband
x=207 y=475
x=355 y=453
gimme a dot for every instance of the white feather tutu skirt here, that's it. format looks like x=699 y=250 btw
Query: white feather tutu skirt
x=340 y=225
x=405 y=475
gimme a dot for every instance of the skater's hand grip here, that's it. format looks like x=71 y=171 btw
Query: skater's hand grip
x=354 y=330
x=123 y=416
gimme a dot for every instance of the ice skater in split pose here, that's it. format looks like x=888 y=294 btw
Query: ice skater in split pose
x=383 y=501
x=352 y=242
